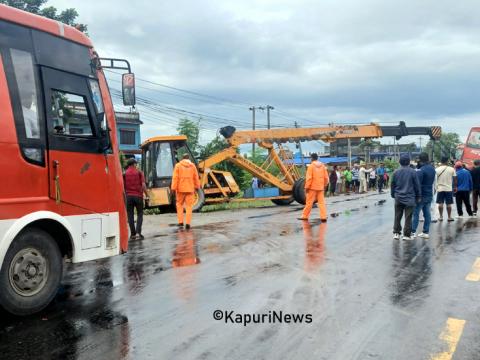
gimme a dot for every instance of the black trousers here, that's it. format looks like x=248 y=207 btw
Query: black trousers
x=135 y=202
x=380 y=183
x=463 y=197
x=475 y=195
x=399 y=210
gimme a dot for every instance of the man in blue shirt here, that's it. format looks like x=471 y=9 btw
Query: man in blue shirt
x=406 y=191
x=464 y=186
x=426 y=177
x=380 y=175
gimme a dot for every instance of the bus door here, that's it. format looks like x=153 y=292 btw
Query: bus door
x=77 y=143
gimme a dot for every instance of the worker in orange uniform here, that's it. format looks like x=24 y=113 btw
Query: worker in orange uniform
x=316 y=182
x=184 y=183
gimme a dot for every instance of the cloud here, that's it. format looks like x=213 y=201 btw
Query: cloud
x=361 y=60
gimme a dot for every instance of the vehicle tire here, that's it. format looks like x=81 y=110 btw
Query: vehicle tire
x=31 y=273
x=299 y=191
x=283 y=202
x=199 y=200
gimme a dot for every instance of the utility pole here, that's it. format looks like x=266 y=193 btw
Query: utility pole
x=300 y=148
x=269 y=107
x=420 y=139
x=349 y=142
x=252 y=109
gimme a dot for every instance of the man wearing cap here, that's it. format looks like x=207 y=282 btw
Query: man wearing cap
x=464 y=186
x=446 y=186
x=135 y=187
x=185 y=182
x=363 y=174
x=316 y=181
x=405 y=189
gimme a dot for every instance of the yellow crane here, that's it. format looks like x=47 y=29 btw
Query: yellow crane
x=159 y=155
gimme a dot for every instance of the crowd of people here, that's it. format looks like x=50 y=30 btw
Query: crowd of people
x=358 y=179
x=414 y=190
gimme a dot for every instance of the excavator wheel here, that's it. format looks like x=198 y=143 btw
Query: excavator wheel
x=283 y=202
x=299 y=191
x=199 y=200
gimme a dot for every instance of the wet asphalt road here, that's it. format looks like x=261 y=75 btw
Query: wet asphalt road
x=370 y=297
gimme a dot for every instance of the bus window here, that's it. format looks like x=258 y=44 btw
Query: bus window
x=70 y=114
x=23 y=68
x=474 y=139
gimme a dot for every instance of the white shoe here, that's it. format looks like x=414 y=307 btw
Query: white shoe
x=407 y=238
x=413 y=235
x=424 y=236
x=474 y=214
x=459 y=217
x=396 y=236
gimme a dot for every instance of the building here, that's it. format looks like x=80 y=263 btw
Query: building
x=128 y=133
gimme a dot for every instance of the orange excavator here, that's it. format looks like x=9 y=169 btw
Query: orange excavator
x=159 y=155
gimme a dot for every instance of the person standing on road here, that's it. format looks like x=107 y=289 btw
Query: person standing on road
x=340 y=181
x=363 y=175
x=355 y=178
x=426 y=178
x=316 y=182
x=405 y=189
x=333 y=180
x=446 y=186
x=347 y=175
x=373 y=179
x=476 y=185
x=380 y=177
x=135 y=187
x=464 y=186
x=185 y=182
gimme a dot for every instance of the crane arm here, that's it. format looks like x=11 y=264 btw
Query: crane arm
x=327 y=134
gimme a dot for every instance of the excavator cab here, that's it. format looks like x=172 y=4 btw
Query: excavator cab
x=159 y=156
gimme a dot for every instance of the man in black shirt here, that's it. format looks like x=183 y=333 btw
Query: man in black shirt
x=476 y=185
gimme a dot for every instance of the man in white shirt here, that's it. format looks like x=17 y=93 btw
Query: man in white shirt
x=363 y=174
x=446 y=186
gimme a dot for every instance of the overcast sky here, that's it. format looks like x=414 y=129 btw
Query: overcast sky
x=314 y=61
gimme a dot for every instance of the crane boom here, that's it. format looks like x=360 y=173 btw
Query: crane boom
x=327 y=134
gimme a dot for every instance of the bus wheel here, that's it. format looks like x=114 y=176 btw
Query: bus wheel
x=199 y=200
x=299 y=191
x=31 y=273
x=283 y=202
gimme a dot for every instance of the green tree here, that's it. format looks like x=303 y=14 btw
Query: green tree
x=67 y=16
x=191 y=130
x=446 y=146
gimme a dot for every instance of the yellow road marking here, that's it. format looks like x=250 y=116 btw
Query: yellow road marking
x=450 y=336
x=475 y=272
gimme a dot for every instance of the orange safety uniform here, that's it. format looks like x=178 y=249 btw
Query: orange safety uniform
x=184 y=182
x=315 y=183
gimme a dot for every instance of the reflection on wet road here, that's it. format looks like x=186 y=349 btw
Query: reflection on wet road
x=370 y=297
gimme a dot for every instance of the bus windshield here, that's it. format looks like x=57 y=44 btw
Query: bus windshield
x=473 y=140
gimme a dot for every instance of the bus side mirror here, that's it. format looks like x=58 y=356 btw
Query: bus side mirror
x=128 y=89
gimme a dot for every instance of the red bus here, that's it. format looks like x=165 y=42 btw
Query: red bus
x=61 y=193
x=471 y=149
